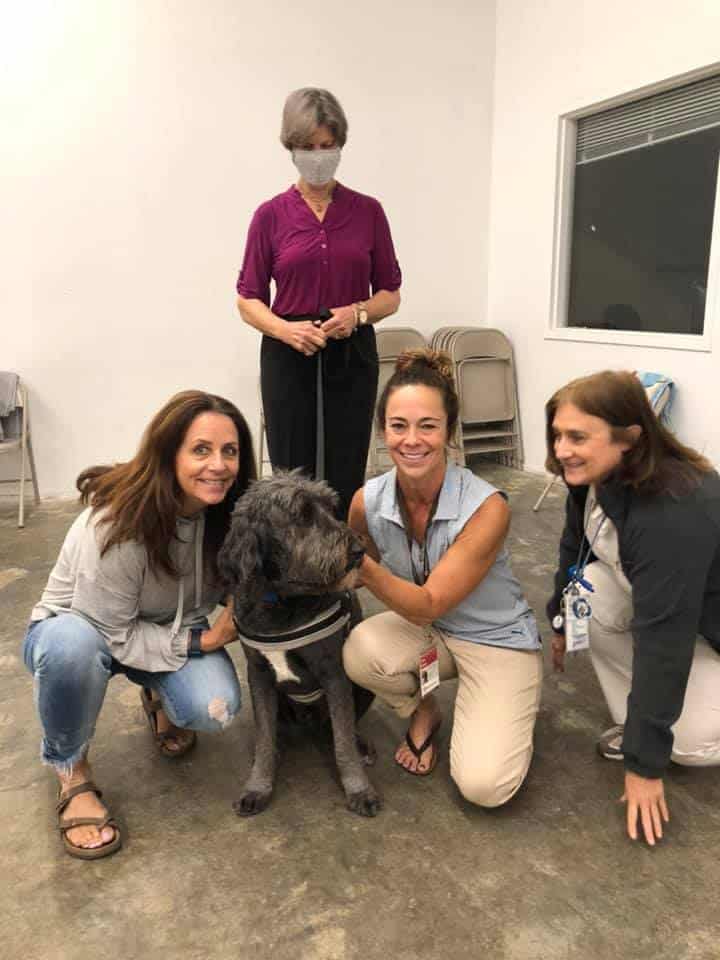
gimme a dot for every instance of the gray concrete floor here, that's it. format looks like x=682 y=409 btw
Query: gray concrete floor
x=549 y=876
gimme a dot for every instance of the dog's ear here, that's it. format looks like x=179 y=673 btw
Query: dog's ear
x=240 y=564
x=270 y=552
x=249 y=558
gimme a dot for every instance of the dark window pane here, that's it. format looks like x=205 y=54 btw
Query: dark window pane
x=642 y=223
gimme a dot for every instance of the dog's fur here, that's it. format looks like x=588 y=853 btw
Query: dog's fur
x=286 y=559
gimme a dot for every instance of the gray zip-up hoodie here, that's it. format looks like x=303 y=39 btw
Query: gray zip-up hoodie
x=145 y=617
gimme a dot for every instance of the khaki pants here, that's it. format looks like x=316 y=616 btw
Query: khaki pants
x=495 y=709
x=697 y=731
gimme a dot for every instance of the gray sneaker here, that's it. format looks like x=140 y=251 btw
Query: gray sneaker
x=609 y=745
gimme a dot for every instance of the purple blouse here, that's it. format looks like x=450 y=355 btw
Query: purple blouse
x=314 y=264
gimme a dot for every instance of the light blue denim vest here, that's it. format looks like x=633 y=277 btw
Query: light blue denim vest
x=496 y=611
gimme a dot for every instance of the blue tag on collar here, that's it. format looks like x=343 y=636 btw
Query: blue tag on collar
x=270 y=597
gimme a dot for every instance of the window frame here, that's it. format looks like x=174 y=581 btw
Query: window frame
x=558 y=328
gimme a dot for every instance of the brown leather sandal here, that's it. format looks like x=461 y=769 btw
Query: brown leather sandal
x=185 y=739
x=86 y=853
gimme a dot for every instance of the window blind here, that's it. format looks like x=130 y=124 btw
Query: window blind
x=662 y=116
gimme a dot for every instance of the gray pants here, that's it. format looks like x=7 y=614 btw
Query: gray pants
x=697 y=732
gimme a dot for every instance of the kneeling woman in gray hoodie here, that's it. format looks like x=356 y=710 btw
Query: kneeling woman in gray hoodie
x=131 y=593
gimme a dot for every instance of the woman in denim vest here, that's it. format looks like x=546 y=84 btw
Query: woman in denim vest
x=436 y=559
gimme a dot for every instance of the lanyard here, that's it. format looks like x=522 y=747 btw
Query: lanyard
x=577 y=570
x=419 y=576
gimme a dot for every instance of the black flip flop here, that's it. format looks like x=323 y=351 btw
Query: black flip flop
x=419 y=751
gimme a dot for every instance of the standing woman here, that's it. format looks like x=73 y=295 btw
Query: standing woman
x=643 y=530
x=131 y=592
x=436 y=558
x=329 y=251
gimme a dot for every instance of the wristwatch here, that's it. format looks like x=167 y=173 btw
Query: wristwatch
x=194 y=643
x=362 y=314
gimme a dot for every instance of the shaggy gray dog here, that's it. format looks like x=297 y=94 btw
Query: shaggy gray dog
x=289 y=564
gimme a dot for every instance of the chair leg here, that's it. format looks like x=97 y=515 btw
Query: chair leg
x=461 y=445
x=21 y=508
x=33 y=469
x=546 y=491
x=371 y=468
x=261 y=446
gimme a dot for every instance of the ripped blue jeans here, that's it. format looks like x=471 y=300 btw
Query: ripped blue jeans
x=72 y=664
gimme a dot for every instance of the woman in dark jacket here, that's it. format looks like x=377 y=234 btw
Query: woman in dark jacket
x=641 y=547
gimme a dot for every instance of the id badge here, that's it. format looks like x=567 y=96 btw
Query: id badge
x=429 y=671
x=577 y=621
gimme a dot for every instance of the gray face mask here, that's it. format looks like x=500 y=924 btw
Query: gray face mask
x=317 y=167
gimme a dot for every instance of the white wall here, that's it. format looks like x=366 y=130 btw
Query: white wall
x=139 y=137
x=552 y=58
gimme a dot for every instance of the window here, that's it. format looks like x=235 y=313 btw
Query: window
x=635 y=252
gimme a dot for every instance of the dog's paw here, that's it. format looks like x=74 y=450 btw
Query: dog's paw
x=366 y=803
x=252 y=802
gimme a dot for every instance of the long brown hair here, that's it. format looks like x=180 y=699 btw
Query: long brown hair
x=142 y=500
x=425 y=368
x=656 y=461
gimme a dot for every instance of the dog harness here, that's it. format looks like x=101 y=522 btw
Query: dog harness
x=323 y=625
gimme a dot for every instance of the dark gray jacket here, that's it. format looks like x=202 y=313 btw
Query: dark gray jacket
x=670 y=553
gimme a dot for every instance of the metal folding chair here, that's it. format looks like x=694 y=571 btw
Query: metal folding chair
x=489 y=424
x=15 y=436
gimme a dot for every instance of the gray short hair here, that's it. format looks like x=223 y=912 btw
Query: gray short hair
x=307 y=109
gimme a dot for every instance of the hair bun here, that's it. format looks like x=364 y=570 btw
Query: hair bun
x=436 y=360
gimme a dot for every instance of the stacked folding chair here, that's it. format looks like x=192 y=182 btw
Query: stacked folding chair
x=489 y=423
x=391 y=342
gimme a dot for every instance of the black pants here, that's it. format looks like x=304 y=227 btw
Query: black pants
x=288 y=384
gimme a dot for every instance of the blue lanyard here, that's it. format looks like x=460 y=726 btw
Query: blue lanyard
x=577 y=570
